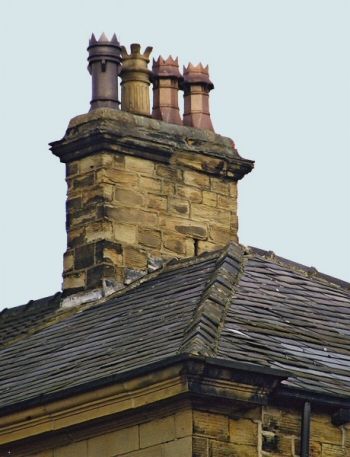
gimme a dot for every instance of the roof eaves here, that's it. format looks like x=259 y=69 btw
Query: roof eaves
x=106 y=381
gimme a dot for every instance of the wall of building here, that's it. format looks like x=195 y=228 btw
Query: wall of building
x=266 y=431
x=168 y=436
x=259 y=432
x=122 y=210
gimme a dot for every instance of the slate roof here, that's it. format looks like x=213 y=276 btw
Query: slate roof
x=236 y=304
x=17 y=322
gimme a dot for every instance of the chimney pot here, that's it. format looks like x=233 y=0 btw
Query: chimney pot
x=196 y=86
x=104 y=64
x=136 y=78
x=166 y=79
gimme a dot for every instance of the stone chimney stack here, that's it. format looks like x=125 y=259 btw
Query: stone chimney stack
x=104 y=62
x=136 y=78
x=197 y=86
x=166 y=78
x=142 y=191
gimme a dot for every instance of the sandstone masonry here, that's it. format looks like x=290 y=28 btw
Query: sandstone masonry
x=142 y=191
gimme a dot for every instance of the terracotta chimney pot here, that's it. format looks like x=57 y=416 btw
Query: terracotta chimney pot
x=136 y=78
x=166 y=78
x=197 y=86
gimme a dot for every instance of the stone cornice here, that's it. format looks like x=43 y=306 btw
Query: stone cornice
x=177 y=377
x=113 y=131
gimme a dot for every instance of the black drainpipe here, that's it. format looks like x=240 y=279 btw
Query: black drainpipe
x=305 y=430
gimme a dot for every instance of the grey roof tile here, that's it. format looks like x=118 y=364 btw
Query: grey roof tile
x=235 y=304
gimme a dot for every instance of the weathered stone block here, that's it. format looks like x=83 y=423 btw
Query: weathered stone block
x=225 y=202
x=220 y=449
x=84 y=256
x=139 y=165
x=332 y=450
x=125 y=233
x=211 y=425
x=175 y=244
x=233 y=188
x=154 y=451
x=200 y=446
x=73 y=204
x=165 y=171
x=84 y=181
x=290 y=422
x=219 y=186
x=128 y=197
x=208 y=213
x=97 y=194
x=189 y=193
x=315 y=448
x=183 y=423
x=220 y=235
x=101 y=230
x=102 y=160
x=168 y=187
x=72 y=168
x=135 y=257
x=200 y=162
x=323 y=430
x=76 y=236
x=132 y=216
x=108 y=252
x=195 y=231
x=190 y=247
x=120 y=178
x=180 y=447
x=97 y=274
x=243 y=431
x=183 y=226
x=209 y=198
x=157 y=202
x=157 y=431
x=74 y=280
x=150 y=184
x=68 y=260
x=178 y=206
x=115 y=443
x=72 y=450
x=193 y=178
x=82 y=216
x=206 y=246
x=149 y=237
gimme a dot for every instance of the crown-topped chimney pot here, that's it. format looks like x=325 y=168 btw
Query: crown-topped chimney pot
x=104 y=64
x=166 y=78
x=197 y=86
x=136 y=78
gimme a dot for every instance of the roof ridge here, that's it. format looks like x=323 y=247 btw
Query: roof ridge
x=310 y=272
x=203 y=331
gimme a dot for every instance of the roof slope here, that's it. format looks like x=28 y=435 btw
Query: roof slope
x=17 y=322
x=282 y=318
x=236 y=304
x=143 y=325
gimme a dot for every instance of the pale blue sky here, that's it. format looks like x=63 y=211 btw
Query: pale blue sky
x=281 y=73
